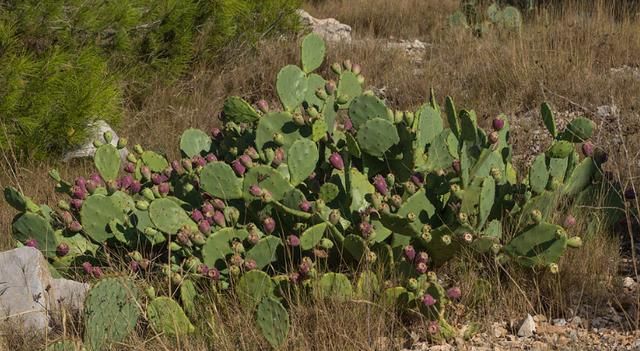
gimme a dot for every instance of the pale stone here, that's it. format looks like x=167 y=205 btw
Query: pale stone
x=97 y=130
x=329 y=28
x=527 y=327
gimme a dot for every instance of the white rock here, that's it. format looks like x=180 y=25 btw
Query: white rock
x=560 y=322
x=97 y=130
x=527 y=327
x=329 y=28
x=67 y=294
x=628 y=283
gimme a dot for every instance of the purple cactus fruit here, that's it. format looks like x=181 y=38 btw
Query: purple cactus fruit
x=134 y=266
x=62 y=249
x=380 y=184
x=76 y=203
x=238 y=167
x=176 y=166
x=87 y=267
x=213 y=274
x=630 y=194
x=498 y=124
x=278 y=157
x=422 y=257
x=146 y=172
x=304 y=268
x=336 y=161
x=409 y=253
x=454 y=293
x=569 y=221
x=186 y=164
x=78 y=192
x=126 y=181
x=255 y=190
x=129 y=167
x=305 y=206
x=218 y=218
x=202 y=269
x=31 y=243
x=135 y=187
x=216 y=133
x=433 y=328
x=156 y=178
x=365 y=229
x=97 y=272
x=293 y=240
x=587 y=149
x=348 y=124
x=494 y=137
x=91 y=186
x=456 y=166
x=198 y=161
x=263 y=105
x=417 y=179
x=421 y=268
x=163 y=188
x=294 y=277
x=75 y=226
x=428 y=300
x=196 y=215
x=208 y=209
x=269 y=225
x=250 y=264
x=218 y=204
x=204 y=227
x=96 y=178
x=356 y=68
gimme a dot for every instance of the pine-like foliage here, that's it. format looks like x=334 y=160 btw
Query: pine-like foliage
x=65 y=63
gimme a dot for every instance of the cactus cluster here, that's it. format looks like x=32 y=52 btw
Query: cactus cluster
x=497 y=15
x=334 y=181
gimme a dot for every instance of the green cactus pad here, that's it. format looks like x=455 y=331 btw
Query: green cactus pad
x=487 y=198
x=312 y=236
x=548 y=119
x=538 y=245
x=561 y=149
x=348 y=86
x=581 y=177
x=273 y=320
x=268 y=179
x=107 y=161
x=439 y=154
x=188 y=296
x=330 y=111
x=391 y=296
x=558 y=168
x=490 y=236
x=319 y=129
x=314 y=82
x=421 y=207
x=18 y=201
x=452 y=116
x=167 y=317
x=355 y=246
x=291 y=85
x=218 y=246
x=155 y=161
x=313 y=49
x=29 y=225
x=358 y=186
x=382 y=232
x=96 y=213
x=252 y=287
x=334 y=286
x=364 y=108
x=578 y=130
x=538 y=174
x=367 y=286
x=279 y=122
x=328 y=192
x=109 y=300
x=168 y=216
x=377 y=136
x=239 y=111
x=194 y=142
x=510 y=18
x=302 y=159
x=429 y=127
x=219 y=180
x=264 y=252
x=142 y=221
x=437 y=250
x=468 y=125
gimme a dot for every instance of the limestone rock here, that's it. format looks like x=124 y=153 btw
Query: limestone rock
x=527 y=327
x=329 y=28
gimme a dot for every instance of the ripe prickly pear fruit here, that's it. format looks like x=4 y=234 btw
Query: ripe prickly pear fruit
x=211 y=158
x=294 y=277
x=630 y=194
x=494 y=137
x=409 y=253
x=246 y=160
x=87 y=267
x=204 y=227
x=255 y=190
x=330 y=87
x=134 y=266
x=569 y=221
x=218 y=204
x=238 y=168
x=366 y=229
x=433 y=328
x=66 y=217
x=467 y=237
x=336 y=161
x=146 y=172
x=417 y=179
x=135 y=187
x=263 y=105
x=269 y=225
x=97 y=272
x=75 y=227
x=31 y=243
x=198 y=161
x=62 y=249
x=380 y=184
x=130 y=167
x=78 y=192
x=422 y=257
x=298 y=119
x=76 y=203
x=213 y=274
x=454 y=293
x=498 y=124
x=218 y=218
x=305 y=206
x=293 y=240
x=347 y=124
x=428 y=300
x=216 y=133
x=250 y=265
x=587 y=149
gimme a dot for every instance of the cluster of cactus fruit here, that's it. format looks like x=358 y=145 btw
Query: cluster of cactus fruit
x=472 y=16
x=280 y=200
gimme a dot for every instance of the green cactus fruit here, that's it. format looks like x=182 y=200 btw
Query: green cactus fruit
x=237 y=110
x=538 y=245
x=111 y=299
x=30 y=226
x=313 y=50
x=430 y=125
x=312 y=236
x=578 y=130
x=333 y=286
x=169 y=217
x=538 y=174
x=316 y=94
x=219 y=180
x=574 y=242
x=273 y=321
x=366 y=107
x=96 y=213
x=167 y=317
x=252 y=287
x=377 y=136
x=548 y=119
x=107 y=161
x=291 y=86
x=195 y=142
x=264 y=251
x=348 y=88
x=302 y=159
x=155 y=161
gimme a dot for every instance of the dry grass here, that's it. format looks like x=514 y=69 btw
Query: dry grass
x=565 y=59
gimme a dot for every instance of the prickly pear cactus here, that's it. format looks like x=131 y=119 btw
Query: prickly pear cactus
x=167 y=317
x=273 y=320
x=111 y=312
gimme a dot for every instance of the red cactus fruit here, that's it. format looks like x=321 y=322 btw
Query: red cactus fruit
x=336 y=161
x=428 y=300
